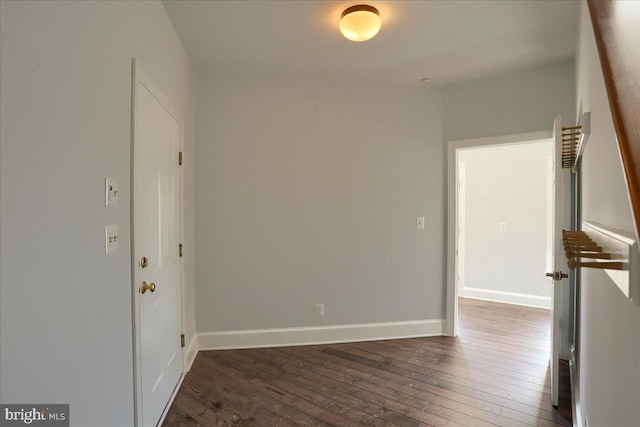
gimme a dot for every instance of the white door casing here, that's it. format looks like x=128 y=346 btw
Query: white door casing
x=156 y=228
x=453 y=148
x=461 y=212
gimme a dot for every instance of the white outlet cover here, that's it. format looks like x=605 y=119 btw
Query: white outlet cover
x=111 y=238
x=503 y=226
x=420 y=223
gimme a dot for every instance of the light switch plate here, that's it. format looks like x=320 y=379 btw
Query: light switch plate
x=111 y=192
x=420 y=223
x=111 y=238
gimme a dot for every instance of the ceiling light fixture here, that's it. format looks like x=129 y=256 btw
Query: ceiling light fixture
x=360 y=23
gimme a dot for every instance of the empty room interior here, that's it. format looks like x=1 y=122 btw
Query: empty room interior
x=317 y=213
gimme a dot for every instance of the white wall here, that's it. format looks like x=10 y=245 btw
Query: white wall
x=506 y=184
x=609 y=348
x=66 y=330
x=309 y=194
x=519 y=102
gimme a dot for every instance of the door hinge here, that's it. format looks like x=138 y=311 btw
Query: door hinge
x=181 y=249
x=182 y=340
x=180 y=158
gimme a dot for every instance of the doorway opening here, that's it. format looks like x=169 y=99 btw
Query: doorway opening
x=504 y=223
x=506 y=255
x=499 y=221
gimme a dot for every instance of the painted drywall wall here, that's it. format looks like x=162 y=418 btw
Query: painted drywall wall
x=506 y=184
x=66 y=326
x=609 y=346
x=309 y=194
x=518 y=102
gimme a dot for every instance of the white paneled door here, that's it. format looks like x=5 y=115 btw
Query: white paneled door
x=156 y=237
x=559 y=274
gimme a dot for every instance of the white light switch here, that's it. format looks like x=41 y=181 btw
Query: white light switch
x=111 y=192
x=111 y=238
x=503 y=226
x=420 y=223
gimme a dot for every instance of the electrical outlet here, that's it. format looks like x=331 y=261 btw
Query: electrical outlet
x=420 y=223
x=111 y=238
x=503 y=226
x=319 y=310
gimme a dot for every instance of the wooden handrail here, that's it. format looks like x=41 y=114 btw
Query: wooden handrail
x=616 y=24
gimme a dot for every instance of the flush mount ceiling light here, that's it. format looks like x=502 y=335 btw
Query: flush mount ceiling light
x=360 y=23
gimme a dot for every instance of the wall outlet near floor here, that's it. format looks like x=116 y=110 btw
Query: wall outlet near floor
x=319 y=310
x=420 y=223
x=503 y=226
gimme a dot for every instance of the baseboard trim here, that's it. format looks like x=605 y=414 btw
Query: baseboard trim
x=191 y=351
x=258 y=338
x=506 y=297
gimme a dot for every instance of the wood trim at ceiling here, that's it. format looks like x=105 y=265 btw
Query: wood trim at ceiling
x=615 y=24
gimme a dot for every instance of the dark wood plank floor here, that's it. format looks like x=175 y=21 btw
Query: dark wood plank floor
x=494 y=373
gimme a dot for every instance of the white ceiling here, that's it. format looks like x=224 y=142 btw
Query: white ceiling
x=449 y=41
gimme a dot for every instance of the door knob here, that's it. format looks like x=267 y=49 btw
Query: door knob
x=144 y=287
x=557 y=275
x=152 y=287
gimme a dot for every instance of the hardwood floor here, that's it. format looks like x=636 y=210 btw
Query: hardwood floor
x=494 y=373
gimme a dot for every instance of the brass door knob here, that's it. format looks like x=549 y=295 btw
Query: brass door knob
x=144 y=287
x=152 y=287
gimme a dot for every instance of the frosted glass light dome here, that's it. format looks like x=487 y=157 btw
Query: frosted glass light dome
x=360 y=23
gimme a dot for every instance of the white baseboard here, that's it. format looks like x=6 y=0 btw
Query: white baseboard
x=190 y=352
x=506 y=297
x=257 y=338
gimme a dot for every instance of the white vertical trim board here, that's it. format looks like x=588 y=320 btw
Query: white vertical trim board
x=462 y=229
x=257 y=338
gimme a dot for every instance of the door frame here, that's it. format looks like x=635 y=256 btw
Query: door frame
x=139 y=74
x=451 y=319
